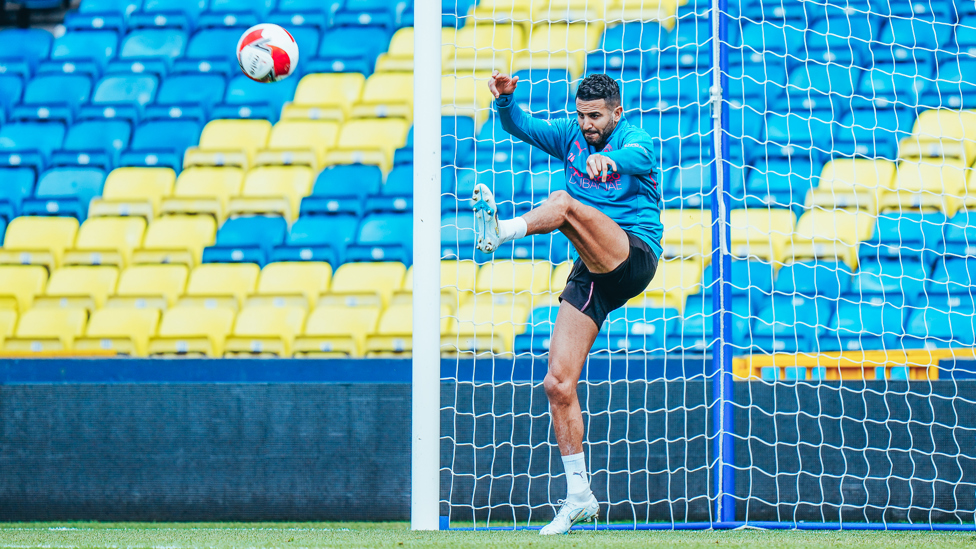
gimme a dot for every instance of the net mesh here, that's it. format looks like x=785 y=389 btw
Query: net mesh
x=848 y=164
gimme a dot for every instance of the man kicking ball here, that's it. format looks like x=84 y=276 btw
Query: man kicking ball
x=611 y=212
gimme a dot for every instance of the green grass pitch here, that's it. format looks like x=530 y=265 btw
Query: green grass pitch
x=397 y=535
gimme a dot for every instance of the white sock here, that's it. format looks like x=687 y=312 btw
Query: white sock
x=577 y=481
x=511 y=229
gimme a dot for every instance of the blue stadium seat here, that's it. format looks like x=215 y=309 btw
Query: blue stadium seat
x=233 y=13
x=453 y=12
x=897 y=83
x=688 y=186
x=818 y=86
x=757 y=78
x=342 y=190
x=683 y=89
x=65 y=192
x=795 y=135
x=927 y=11
x=298 y=13
x=535 y=339
x=966 y=36
x=33 y=45
x=307 y=39
x=180 y=14
x=11 y=89
x=102 y=14
x=554 y=247
x=318 y=238
x=161 y=143
x=82 y=52
x=669 y=127
x=931 y=328
x=18 y=184
x=953 y=88
x=961 y=9
x=959 y=235
x=772 y=35
x=396 y=195
x=457 y=139
x=753 y=278
x=121 y=96
x=790 y=323
x=629 y=46
x=246 y=240
x=543 y=92
x=246 y=98
x=212 y=50
x=688 y=45
x=775 y=176
x=840 y=34
x=888 y=278
x=698 y=321
x=54 y=97
x=538 y=186
x=149 y=50
x=350 y=49
x=190 y=96
x=872 y=132
x=876 y=323
x=96 y=143
x=952 y=275
x=913 y=235
x=383 y=237
x=909 y=40
x=379 y=13
x=637 y=329
x=29 y=144
x=457 y=236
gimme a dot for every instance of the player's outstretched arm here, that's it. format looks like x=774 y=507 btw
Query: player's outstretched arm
x=548 y=135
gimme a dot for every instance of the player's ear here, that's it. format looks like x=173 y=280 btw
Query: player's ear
x=617 y=113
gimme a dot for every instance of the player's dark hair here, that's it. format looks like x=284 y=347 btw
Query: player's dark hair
x=599 y=86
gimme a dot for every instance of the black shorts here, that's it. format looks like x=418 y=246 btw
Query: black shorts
x=596 y=294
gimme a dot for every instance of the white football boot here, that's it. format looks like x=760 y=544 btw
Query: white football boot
x=485 y=218
x=569 y=514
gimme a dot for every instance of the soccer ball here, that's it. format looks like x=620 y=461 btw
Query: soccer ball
x=267 y=53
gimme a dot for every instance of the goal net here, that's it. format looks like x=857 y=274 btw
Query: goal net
x=804 y=354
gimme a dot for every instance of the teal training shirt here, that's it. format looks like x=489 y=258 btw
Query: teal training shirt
x=631 y=196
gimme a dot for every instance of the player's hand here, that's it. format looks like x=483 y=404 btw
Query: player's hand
x=598 y=165
x=501 y=84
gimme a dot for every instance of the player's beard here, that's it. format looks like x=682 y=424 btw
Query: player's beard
x=601 y=137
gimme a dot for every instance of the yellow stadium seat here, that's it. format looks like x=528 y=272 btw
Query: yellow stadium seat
x=294 y=282
x=560 y=275
x=687 y=234
x=336 y=330
x=8 y=321
x=106 y=241
x=369 y=141
x=394 y=333
x=204 y=190
x=942 y=133
x=852 y=183
x=559 y=46
x=38 y=240
x=47 y=330
x=399 y=56
x=176 y=239
x=276 y=190
x=327 y=96
x=525 y=282
x=928 y=184
x=133 y=191
x=19 y=284
x=265 y=330
x=485 y=46
x=466 y=95
x=761 y=232
x=299 y=142
x=226 y=284
x=363 y=279
x=193 y=331
x=674 y=280
x=386 y=95
x=81 y=287
x=457 y=283
x=483 y=326
x=150 y=286
x=519 y=11
x=830 y=235
x=124 y=330
x=577 y=10
x=229 y=143
x=662 y=11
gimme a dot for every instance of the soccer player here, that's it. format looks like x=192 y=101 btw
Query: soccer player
x=611 y=212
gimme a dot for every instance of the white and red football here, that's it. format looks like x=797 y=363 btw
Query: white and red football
x=267 y=53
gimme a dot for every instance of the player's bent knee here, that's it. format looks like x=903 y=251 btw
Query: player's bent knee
x=558 y=390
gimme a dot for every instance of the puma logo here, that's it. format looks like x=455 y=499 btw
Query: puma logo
x=580 y=475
